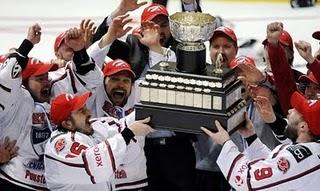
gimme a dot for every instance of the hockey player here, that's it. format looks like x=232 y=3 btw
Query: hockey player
x=25 y=94
x=83 y=154
x=288 y=166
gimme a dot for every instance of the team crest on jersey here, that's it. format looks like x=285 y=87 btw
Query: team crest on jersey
x=238 y=180
x=283 y=165
x=59 y=145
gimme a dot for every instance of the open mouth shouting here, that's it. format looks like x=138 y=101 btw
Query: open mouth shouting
x=45 y=92
x=118 y=96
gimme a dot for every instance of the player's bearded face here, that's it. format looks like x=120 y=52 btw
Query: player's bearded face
x=39 y=87
x=118 y=88
x=291 y=133
x=294 y=120
x=80 y=120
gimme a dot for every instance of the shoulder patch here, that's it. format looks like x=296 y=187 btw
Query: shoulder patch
x=299 y=152
x=283 y=165
x=59 y=145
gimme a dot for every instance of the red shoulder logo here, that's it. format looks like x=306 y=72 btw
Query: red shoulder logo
x=59 y=145
x=283 y=165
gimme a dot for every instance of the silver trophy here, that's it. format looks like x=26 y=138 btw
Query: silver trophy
x=188 y=94
x=191 y=30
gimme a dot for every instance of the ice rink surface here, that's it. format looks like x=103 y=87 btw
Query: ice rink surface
x=249 y=20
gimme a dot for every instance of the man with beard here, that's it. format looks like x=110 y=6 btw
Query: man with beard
x=24 y=116
x=116 y=99
x=223 y=51
x=84 y=154
x=288 y=167
x=25 y=94
x=169 y=167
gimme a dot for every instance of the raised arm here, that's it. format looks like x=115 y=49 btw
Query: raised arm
x=123 y=8
x=10 y=72
x=282 y=72
x=117 y=29
x=304 y=49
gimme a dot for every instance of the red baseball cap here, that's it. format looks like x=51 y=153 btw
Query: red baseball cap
x=63 y=105
x=309 y=109
x=225 y=31
x=285 y=39
x=240 y=60
x=316 y=35
x=35 y=68
x=116 y=66
x=152 y=11
x=58 y=41
x=308 y=78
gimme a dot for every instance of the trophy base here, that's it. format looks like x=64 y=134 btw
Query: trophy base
x=188 y=120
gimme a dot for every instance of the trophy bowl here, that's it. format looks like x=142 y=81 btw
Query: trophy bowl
x=192 y=26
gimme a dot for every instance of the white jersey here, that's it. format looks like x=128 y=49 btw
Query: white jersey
x=132 y=173
x=28 y=122
x=293 y=167
x=66 y=80
x=75 y=161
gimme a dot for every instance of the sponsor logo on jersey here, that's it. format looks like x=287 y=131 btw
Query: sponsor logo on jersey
x=283 y=165
x=119 y=174
x=299 y=152
x=35 y=177
x=242 y=169
x=238 y=180
x=35 y=164
x=60 y=145
x=97 y=155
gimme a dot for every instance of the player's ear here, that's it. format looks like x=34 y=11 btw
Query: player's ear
x=67 y=124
